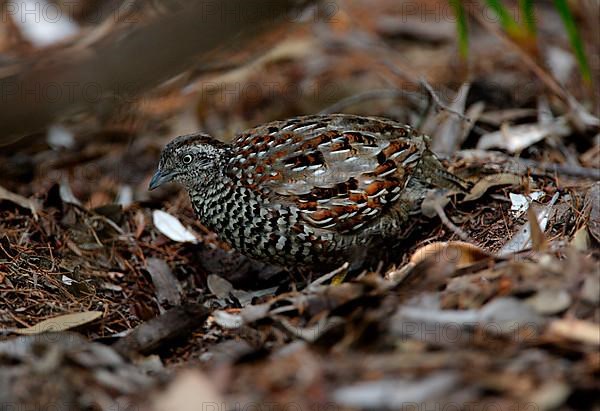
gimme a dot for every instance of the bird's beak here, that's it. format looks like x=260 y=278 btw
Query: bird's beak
x=159 y=178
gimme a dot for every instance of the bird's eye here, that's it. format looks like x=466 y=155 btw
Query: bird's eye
x=187 y=159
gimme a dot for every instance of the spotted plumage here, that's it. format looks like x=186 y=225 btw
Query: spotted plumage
x=307 y=190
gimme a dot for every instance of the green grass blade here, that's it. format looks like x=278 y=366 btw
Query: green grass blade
x=461 y=27
x=507 y=22
x=528 y=12
x=574 y=38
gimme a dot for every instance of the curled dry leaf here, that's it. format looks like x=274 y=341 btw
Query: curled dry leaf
x=576 y=330
x=61 y=323
x=66 y=194
x=20 y=201
x=487 y=182
x=140 y=223
x=516 y=138
x=538 y=240
x=459 y=252
x=171 y=227
x=523 y=238
x=228 y=320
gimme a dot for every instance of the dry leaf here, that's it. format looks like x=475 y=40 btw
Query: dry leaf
x=538 y=240
x=549 y=301
x=190 y=391
x=516 y=138
x=60 y=323
x=66 y=194
x=581 y=239
x=166 y=286
x=487 y=182
x=396 y=394
x=593 y=198
x=459 y=252
x=219 y=286
x=171 y=227
x=20 y=201
x=576 y=330
x=522 y=239
x=520 y=203
x=227 y=320
x=447 y=137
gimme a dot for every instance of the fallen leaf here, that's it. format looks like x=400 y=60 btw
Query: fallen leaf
x=581 y=239
x=228 y=320
x=522 y=239
x=551 y=395
x=60 y=323
x=19 y=200
x=252 y=313
x=516 y=138
x=219 y=286
x=538 y=240
x=140 y=223
x=46 y=32
x=396 y=394
x=447 y=137
x=67 y=280
x=487 y=182
x=60 y=137
x=520 y=203
x=549 y=301
x=505 y=315
x=459 y=252
x=592 y=197
x=190 y=391
x=576 y=330
x=166 y=286
x=434 y=200
x=313 y=332
x=590 y=291
x=172 y=228
x=66 y=194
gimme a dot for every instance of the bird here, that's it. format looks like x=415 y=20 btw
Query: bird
x=308 y=191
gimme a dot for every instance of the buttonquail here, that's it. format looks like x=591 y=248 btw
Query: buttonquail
x=309 y=190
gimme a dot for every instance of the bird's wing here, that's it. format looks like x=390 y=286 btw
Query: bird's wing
x=340 y=171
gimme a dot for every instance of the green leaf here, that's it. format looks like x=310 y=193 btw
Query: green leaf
x=461 y=27
x=574 y=38
x=528 y=12
x=508 y=23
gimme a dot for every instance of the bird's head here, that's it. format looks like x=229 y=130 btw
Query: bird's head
x=189 y=160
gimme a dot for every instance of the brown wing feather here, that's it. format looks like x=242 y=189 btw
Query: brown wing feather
x=341 y=171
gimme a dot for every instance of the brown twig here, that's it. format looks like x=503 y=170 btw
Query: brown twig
x=446 y=221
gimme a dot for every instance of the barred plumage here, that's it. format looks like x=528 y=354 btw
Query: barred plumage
x=306 y=190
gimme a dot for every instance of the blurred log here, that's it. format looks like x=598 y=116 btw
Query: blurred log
x=134 y=55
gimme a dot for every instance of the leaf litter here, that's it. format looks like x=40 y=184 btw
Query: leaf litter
x=126 y=305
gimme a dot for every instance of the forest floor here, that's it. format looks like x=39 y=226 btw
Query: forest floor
x=115 y=298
